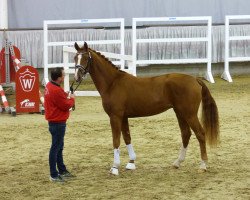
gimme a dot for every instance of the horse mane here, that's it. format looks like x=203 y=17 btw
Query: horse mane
x=105 y=58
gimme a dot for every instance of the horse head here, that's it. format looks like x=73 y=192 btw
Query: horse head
x=82 y=61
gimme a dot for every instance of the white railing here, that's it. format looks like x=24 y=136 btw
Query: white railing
x=67 y=50
x=48 y=44
x=206 y=39
x=226 y=74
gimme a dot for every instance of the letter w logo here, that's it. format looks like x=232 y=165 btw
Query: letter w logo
x=27 y=82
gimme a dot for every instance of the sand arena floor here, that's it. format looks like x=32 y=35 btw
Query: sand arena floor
x=88 y=153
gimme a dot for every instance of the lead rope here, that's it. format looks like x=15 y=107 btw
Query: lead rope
x=72 y=90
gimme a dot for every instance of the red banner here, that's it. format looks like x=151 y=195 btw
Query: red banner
x=27 y=90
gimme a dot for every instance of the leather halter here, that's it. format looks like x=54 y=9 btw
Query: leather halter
x=84 y=69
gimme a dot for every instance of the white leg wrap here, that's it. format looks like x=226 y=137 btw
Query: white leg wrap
x=203 y=165
x=116 y=158
x=182 y=154
x=131 y=153
x=181 y=157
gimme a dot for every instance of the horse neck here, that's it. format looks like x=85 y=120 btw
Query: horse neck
x=102 y=72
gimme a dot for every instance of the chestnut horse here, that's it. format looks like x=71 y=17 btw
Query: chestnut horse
x=125 y=96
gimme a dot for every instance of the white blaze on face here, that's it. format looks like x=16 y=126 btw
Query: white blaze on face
x=79 y=57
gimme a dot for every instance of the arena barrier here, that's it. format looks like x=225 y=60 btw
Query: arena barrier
x=27 y=87
x=226 y=74
x=207 y=39
x=4 y=100
x=7 y=72
x=68 y=70
x=17 y=64
x=10 y=68
x=48 y=44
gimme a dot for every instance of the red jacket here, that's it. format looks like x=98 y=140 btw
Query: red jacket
x=56 y=103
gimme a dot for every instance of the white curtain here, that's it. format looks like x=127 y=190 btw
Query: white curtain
x=30 y=43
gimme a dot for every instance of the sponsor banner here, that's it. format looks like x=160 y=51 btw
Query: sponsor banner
x=27 y=90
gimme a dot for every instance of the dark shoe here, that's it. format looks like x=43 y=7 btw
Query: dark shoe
x=58 y=179
x=67 y=174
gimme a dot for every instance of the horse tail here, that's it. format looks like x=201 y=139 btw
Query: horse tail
x=210 y=117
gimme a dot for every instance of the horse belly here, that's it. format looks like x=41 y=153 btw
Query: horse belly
x=146 y=107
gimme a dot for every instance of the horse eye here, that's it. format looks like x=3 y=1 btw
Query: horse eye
x=81 y=69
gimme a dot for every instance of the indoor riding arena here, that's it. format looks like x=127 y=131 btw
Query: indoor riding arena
x=157 y=93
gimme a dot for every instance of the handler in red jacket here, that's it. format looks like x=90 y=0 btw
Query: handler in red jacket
x=57 y=104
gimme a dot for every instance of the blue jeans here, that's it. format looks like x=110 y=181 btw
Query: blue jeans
x=57 y=131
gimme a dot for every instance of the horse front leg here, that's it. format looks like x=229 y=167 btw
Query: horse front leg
x=127 y=140
x=115 y=123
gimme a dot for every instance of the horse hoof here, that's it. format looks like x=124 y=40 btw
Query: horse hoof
x=176 y=164
x=175 y=167
x=114 y=171
x=131 y=166
x=202 y=170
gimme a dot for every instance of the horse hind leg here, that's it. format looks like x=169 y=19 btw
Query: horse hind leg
x=127 y=140
x=200 y=135
x=185 y=135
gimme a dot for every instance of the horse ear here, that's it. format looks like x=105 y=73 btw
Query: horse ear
x=85 y=46
x=77 y=47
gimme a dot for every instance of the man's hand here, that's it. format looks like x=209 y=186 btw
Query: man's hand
x=72 y=96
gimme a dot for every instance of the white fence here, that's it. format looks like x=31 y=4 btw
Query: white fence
x=67 y=50
x=132 y=60
x=226 y=74
x=206 y=39
x=48 y=44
